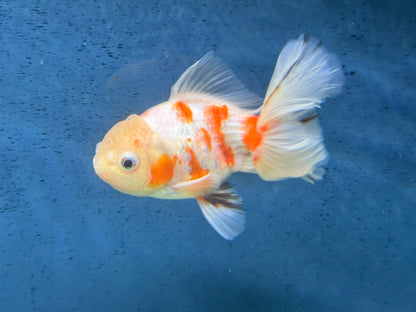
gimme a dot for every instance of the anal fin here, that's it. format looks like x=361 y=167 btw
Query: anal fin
x=224 y=211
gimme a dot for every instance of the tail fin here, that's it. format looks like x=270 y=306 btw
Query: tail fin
x=292 y=144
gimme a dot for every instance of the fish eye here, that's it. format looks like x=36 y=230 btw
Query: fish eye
x=129 y=162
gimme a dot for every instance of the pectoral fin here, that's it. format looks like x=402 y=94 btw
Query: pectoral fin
x=196 y=187
x=224 y=211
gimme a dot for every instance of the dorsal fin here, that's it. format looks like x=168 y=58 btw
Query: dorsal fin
x=210 y=76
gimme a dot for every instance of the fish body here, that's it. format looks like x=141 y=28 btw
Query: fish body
x=207 y=137
x=212 y=126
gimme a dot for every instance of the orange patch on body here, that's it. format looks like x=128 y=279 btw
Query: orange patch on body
x=183 y=112
x=162 y=170
x=196 y=169
x=214 y=116
x=251 y=137
x=206 y=138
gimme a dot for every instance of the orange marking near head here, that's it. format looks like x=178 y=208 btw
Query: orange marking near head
x=251 y=137
x=196 y=169
x=214 y=116
x=162 y=171
x=136 y=143
x=183 y=112
x=206 y=138
x=144 y=113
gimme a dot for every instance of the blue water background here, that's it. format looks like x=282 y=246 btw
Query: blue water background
x=68 y=242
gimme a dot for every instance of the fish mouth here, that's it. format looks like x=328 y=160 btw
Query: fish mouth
x=95 y=160
x=99 y=172
x=97 y=169
x=102 y=175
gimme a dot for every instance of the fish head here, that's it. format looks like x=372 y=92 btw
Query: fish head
x=133 y=159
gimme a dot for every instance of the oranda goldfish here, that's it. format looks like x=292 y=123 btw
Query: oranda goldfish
x=209 y=128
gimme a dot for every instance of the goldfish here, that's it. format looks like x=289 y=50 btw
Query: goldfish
x=212 y=126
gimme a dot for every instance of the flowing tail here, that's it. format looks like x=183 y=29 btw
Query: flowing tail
x=288 y=137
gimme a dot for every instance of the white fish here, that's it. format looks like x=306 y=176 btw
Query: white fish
x=188 y=146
